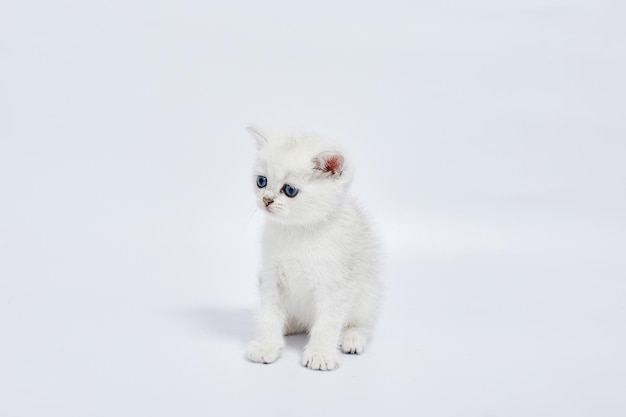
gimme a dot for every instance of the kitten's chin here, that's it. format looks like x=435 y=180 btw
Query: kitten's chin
x=294 y=221
x=278 y=215
x=272 y=215
x=275 y=218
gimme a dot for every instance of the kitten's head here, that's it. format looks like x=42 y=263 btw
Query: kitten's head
x=299 y=179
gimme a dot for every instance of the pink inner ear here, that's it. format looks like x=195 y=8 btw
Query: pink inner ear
x=333 y=164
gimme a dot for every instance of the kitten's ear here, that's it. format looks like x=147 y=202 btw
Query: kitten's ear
x=258 y=134
x=329 y=163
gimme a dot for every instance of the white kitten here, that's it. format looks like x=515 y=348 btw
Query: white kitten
x=320 y=258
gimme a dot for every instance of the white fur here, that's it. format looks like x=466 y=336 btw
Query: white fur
x=320 y=258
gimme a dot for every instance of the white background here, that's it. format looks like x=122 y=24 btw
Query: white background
x=489 y=143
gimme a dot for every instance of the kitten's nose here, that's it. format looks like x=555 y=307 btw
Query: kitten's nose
x=267 y=201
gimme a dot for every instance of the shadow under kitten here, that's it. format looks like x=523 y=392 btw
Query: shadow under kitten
x=235 y=324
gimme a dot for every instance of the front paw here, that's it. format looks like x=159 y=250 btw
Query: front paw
x=263 y=352
x=321 y=360
x=353 y=340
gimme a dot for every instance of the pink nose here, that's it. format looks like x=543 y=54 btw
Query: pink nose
x=267 y=201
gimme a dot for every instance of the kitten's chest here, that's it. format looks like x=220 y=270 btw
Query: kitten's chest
x=292 y=260
x=304 y=248
x=302 y=265
x=297 y=285
x=295 y=258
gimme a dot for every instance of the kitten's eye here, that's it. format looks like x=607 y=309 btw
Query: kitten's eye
x=290 y=191
x=261 y=181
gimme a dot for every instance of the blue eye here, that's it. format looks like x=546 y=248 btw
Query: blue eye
x=290 y=191
x=261 y=181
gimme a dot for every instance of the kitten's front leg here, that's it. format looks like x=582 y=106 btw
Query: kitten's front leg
x=268 y=342
x=321 y=353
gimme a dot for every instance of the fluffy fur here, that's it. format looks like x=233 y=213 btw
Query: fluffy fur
x=320 y=259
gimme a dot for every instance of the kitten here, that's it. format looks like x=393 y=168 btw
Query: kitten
x=320 y=259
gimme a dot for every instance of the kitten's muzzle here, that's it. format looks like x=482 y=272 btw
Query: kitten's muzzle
x=267 y=201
